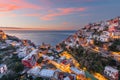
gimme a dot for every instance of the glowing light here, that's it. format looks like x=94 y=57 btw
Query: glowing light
x=99 y=76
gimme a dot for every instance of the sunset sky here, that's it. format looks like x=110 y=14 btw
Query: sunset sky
x=56 y=14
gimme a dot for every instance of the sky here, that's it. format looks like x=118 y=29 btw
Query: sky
x=56 y=14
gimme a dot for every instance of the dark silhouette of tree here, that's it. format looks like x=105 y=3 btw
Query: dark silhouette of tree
x=114 y=45
x=38 y=78
x=18 y=67
x=39 y=61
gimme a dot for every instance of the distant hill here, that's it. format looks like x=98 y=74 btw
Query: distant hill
x=16 y=28
x=9 y=28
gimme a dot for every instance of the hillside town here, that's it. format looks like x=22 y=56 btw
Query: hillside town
x=92 y=53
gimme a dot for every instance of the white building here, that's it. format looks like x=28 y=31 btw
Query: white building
x=3 y=68
x=115 y=35
x=30 y=60
x=34 y=71
x=45 y=73
x=13 y=43
x=47 y=57
x=77 y=71
x=104 y=37
x=3 y=46
x=111 y=72
x=22 y=52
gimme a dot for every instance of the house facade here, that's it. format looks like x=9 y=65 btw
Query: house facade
x=111 y=73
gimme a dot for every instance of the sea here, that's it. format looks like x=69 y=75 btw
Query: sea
x=38 y=37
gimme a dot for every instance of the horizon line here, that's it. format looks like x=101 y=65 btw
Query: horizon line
x=35 y=29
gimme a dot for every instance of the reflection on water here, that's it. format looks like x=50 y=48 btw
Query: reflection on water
x=52 y=37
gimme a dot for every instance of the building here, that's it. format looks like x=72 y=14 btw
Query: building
x=2 y=35
x=50 y=74
x=13 y=43
x=104 y=38
x=115 y=35
x=111 y=73
x=23 y=51
x=77 y=71
x=116 y=56
x=59 y=49
x=44 y=73
x=64 y=76
x=30 y=60
x=3 y=68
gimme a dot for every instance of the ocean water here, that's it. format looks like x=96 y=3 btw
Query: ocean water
x=49 y=37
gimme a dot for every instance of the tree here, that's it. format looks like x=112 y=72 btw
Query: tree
x=39 y=61
x=114 y=46
x=4 y=77
x=98 y=43
x=18 y=67
x=38 y=78
x=94 y=62
x=9 y=77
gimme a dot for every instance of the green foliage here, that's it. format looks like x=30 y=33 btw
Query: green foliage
x=49 y=54
x=13 y=38
x=98 y=43
x=94 y=62
x=15 y=58
x=39 y=61
x=38 y=78
x=10 y=47
x=4 y=77
x=113 y=47
x=9 y=77
x=63 y=45
x=18 y=67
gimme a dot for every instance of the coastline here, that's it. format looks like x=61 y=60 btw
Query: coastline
x=83 y=55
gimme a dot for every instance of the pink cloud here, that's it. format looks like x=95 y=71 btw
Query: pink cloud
x=8 y=7
x=70 y=10
x=25 y=4
x=11 y=5
x=33 y=14
x=62 y=12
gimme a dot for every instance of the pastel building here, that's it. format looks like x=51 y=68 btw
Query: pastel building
x=111 y=73
x=2 y=35
x=30 y=60
x=3 y=68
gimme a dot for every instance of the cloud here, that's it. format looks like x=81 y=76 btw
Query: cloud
x=11 y=5
x=70 y=10
x=33 y=14
x=8 y=7
x=26 y=4
x=62 y=12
